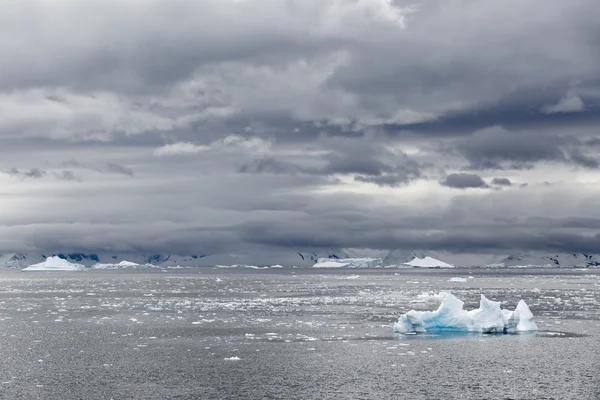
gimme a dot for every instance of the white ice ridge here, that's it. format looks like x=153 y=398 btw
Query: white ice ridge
x=55 y=264
x=450 y=316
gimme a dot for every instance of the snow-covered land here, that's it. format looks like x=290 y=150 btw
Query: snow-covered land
x=55 y=264
x=425 y=262
x=348 y=263
x=122 y=265
x=248 y=266
x=551 y=260
x=450 y=316
x=349 y=258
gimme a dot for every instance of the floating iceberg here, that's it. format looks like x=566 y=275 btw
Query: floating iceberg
x=428 y=262
x=55 y=264
x=450 y=316
x=348 y=263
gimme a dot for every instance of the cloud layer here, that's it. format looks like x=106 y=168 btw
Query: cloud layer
x=263 y=126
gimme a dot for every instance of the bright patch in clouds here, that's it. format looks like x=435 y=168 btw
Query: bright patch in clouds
x=231 y=143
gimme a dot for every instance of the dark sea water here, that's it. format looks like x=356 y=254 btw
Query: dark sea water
x=290 y=334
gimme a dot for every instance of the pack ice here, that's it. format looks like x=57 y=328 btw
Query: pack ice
x=450 y=316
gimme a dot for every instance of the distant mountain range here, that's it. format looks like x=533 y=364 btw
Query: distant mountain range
x=304 y=258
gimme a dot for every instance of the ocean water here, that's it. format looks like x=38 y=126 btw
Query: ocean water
x=290 y=334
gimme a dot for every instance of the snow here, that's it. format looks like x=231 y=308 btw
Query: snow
x=348 y=263
x=428 y=262
x=55 y=264
x=450 y=316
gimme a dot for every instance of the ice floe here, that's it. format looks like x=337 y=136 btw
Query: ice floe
x=55 y=264
x=459 y=279
x=450 y=316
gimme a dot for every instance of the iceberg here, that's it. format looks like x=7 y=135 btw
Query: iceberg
x=55 y=264
x=450 y=316
x=428 y=262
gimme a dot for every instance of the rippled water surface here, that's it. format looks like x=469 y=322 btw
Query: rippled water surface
x=290 y=334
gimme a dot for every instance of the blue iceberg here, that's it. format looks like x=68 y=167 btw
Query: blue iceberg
x=450 y=316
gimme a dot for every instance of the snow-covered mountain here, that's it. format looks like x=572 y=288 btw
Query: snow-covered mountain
x=288 y=258
x=22 y=260
x=552 y=260
x=303 y=258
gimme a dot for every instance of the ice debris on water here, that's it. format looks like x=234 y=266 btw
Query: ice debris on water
x=450 y=316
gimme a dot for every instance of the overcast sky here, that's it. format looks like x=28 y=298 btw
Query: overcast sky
x=220 y=126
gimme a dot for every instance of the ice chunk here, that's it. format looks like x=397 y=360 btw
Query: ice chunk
x=450 y=316
x=55 y=264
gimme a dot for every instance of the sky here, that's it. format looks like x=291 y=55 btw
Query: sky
x=253 y=126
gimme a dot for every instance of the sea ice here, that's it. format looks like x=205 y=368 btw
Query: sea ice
x=459 y=279
x=450 y=316
x=55 y=264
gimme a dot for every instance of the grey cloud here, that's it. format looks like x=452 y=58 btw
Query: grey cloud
x=578 y=158
x=363 y=89
x=109 y=168
x=568 y=104
x=37 y=173
x=367 y=158
x=464 y=181
x=66 y=176
x=497 y=148
x=393 y=180
x=32 y=173
x=269 y=165
x=501 y=182
x=119 y=169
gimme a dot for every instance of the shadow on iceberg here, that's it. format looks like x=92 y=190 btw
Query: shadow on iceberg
x=451 y=317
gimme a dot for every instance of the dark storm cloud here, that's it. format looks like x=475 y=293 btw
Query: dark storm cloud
x=385 y=180
x=330 y=98
x=464 y=181
x=497 y=148
x=366 y=158
x=501 y=182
